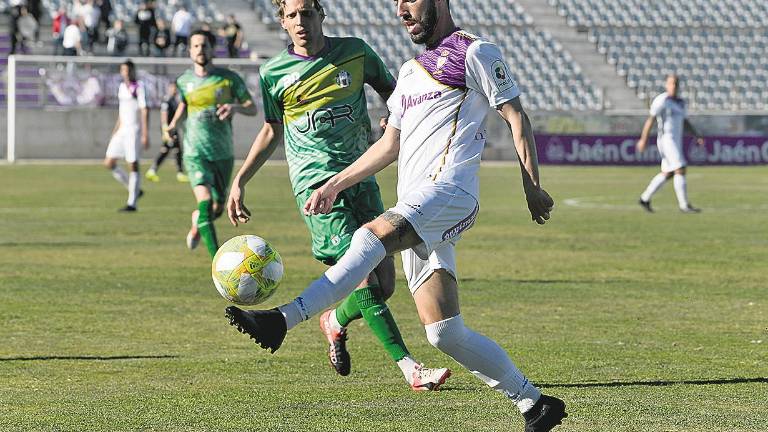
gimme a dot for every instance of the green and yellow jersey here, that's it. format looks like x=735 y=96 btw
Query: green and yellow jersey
x=205 y=135
x=321 y=104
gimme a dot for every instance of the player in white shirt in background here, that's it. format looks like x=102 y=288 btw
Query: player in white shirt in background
x=436 y=132
x=669 y=111
x=130 y=134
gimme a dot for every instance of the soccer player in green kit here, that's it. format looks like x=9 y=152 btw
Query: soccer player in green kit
x=210 y=97
x=314 y=100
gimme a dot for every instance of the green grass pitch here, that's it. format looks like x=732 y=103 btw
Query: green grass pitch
x=639 y=322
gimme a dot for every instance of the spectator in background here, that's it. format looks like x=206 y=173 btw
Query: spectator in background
x=59 y=22
x=145 y=19
x=18 y=8
x=105 y=7
x=72 y=39
x=234 y=35
x=117 y=39
x=35 y=9
x=90 y=15
x=162 y=39
x=181 y=26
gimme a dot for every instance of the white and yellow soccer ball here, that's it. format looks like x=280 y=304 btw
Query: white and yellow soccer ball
x=246 y=270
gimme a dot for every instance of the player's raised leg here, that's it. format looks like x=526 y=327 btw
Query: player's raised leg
x=365 y=253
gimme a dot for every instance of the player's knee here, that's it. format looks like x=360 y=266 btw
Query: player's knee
x=447 y=334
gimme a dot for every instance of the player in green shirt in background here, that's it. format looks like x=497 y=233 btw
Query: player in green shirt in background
x=314 y=100
x=210 y=97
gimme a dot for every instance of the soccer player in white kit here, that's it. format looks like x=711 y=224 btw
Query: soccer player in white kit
x=129 y=134
x=669 y=111
x=436 y=132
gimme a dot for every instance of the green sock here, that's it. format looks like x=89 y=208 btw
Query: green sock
x=381 y=321
x=206 y=228
x=348 y=311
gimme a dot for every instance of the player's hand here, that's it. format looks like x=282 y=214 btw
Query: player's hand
x=321 y=201
x=166 y=134
x=641 y=145
x=224 y=111
x=236 y=209
x=700 y=141
x=383 y=123
x=540 y=204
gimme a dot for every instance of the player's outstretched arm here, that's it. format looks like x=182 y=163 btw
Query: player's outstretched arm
x=382 y=153
x=539 y=202
x=643 y=141
x=262 y=148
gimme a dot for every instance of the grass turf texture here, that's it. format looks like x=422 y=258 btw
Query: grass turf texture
x=639 y=322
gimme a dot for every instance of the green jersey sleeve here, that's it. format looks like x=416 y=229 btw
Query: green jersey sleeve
x=376 y=73
x=239 y=89
x=272 y=111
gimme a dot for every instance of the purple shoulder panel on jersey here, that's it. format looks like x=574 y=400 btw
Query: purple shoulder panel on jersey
x=446 y=61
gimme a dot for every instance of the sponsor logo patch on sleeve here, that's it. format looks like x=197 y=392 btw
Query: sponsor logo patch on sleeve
x=501 y=76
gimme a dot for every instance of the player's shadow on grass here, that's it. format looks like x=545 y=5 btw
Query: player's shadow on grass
x=654 y=383
x=91 y=358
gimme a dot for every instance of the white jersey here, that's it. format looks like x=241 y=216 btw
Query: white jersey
x=440 y=103
x=670 y=115
x=131 y=99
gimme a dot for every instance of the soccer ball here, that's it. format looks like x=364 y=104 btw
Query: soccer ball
x=246 y=270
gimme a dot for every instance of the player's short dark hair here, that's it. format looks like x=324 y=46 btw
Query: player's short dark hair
x=208 y=35
x=280 y=5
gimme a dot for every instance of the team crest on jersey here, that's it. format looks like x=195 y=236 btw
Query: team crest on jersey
x=442 y=60
x=218 y=94
x=190 y=87
x=501 y=76
x=343 y=79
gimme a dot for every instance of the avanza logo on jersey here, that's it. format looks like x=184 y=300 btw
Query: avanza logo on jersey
x=410 y=101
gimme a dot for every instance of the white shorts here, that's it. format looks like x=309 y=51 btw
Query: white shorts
x=125 y=144
x=439 y=213
x=672 y=156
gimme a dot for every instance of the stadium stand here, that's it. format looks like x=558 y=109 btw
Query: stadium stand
x=548 y=75
x=719 y=48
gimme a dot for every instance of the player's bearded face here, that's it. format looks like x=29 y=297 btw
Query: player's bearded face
x=199 y=50
x=420 y=24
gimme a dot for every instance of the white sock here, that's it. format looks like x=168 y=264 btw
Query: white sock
x=484 y=358
x=133 y=188
x=120 y=175
x=334 y=322
x=365 y=252
x=407 y=366
x=653 y=187
x=681 y=190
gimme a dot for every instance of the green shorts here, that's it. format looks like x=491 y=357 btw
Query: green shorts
x=214 y=174
x=332 y=233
